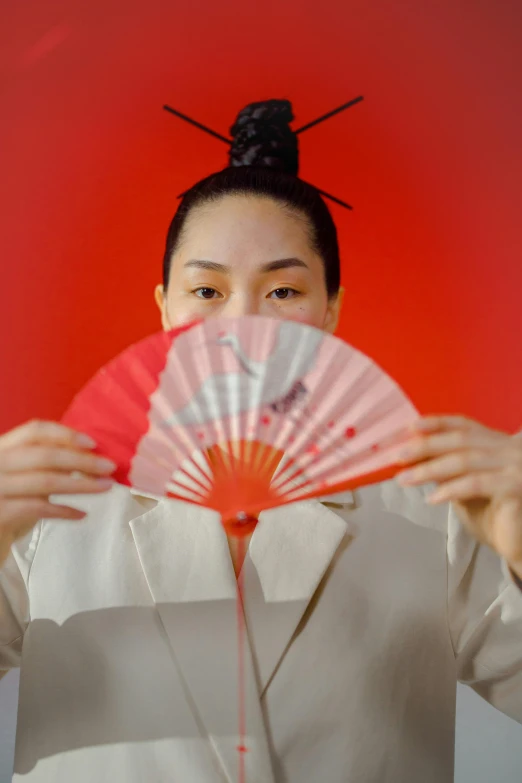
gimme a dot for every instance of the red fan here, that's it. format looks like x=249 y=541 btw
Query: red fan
x=245 y=414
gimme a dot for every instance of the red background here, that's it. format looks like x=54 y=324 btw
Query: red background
x=90 y=167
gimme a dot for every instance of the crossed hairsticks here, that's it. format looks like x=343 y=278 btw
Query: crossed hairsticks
x=304 y=128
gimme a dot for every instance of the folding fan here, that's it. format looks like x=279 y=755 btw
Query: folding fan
x=242 y=415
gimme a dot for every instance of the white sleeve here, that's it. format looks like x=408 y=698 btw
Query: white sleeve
x=14 y=599
x=485 y=620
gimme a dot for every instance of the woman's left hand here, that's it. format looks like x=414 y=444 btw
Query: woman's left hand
x=476 y=468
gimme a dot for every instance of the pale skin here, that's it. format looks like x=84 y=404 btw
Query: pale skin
x=247 y=255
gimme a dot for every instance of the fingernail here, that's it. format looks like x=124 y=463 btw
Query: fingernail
x=85 y=441
x=424 y=426
x=106 y=465
x=105 y=483
x=406 y=476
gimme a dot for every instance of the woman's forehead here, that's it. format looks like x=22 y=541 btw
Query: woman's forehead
x=244 y=223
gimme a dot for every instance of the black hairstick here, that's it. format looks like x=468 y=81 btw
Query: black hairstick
x=304 y=128
x=330 y=114
x=197 y=124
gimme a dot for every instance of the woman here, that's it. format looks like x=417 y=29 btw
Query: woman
x=362 y=614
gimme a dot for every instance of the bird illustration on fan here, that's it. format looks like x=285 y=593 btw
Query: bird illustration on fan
x=254 y=383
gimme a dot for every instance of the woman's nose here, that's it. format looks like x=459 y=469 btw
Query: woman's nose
x=237 y=306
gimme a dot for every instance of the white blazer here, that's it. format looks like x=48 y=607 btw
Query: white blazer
x=361 y=618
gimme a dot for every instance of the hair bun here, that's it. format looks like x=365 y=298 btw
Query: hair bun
x=262 y=137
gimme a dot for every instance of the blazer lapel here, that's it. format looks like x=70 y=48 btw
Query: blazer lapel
x=288 y=556
x=184 y=554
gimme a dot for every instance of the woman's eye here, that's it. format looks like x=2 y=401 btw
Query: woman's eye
x=205 y=293
x=283 y=293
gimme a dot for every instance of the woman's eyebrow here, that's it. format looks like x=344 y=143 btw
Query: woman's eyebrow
x=283 y=263
x=212 y=266
x=271 y=266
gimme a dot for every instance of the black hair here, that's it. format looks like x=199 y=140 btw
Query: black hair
x=264 y=162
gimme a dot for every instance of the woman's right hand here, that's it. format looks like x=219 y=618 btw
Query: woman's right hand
x=39 y=459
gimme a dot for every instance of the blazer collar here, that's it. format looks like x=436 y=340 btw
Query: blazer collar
x=184 y=551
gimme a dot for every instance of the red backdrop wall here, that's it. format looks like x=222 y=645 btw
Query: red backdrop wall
x=90 y=167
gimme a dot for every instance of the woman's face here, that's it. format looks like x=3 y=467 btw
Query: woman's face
x=245 y=255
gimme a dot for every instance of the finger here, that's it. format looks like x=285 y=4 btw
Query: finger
x=55 y=511
x=476 y=485
x=37 y=432
x=21 y=514
x=452 y=466
x=426 y=447
x=445 y=424
x=52 y=458
x=45 y=483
